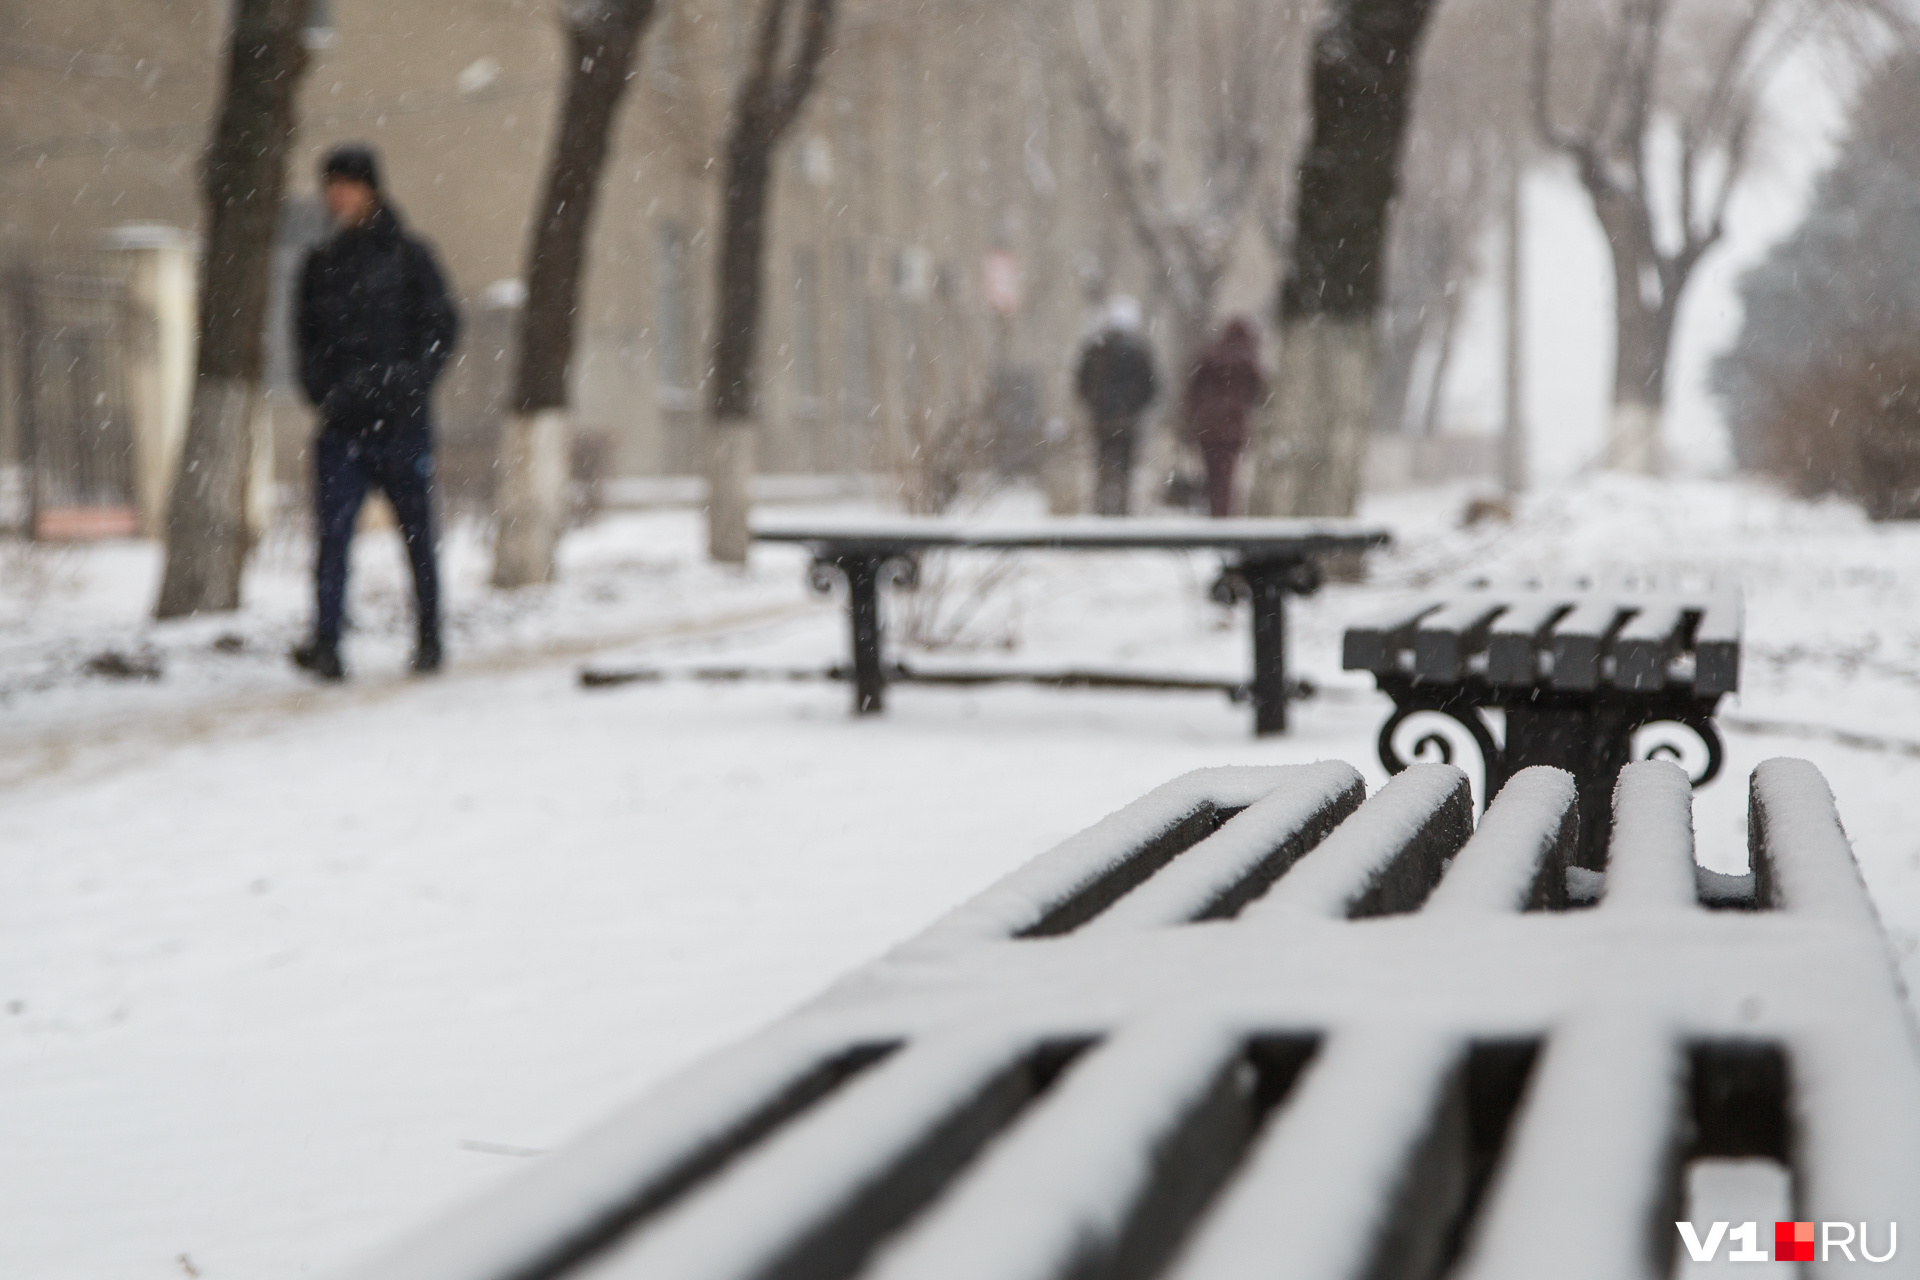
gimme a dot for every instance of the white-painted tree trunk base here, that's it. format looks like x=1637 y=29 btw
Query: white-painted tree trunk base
x=260 y=486
x=729 y=502
x=1311 y=441
x=1066 y=473
x=207 y=535
x=1156 y=460
x=531 y=501
x=1635 y=443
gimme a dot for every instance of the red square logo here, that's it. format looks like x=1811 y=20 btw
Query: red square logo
x=1793 y=1242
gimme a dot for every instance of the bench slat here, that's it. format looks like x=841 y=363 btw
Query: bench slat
x=1063 y=1187
x=1594 y=1157
x=1375 y=644
x=1320 y=1185
x=1647 y=644
x=1716 y=647
x=1220 y=874
x=1578 y=640
x=1443 y=639
x=758 y=1216
x=1512 y=644
x=1650 y=864
x=1387 y=857
x=1517 y=860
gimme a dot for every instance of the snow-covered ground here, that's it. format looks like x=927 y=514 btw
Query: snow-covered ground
x=285 y=968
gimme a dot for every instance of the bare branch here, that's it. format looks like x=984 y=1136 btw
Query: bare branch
x=1558 y=139
x=798 y=82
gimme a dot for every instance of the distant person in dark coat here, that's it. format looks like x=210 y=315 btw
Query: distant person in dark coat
x=1223 y=389
x=373 y=329
x=1116 y=383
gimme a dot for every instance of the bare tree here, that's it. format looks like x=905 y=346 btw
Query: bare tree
x=788 y=50
x=602 y=39
x=1313 y=443
x=246 y=171
x=1822 y=385
x=1189 y=229
x=1661 y=144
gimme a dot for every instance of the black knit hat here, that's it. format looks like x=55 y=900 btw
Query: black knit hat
x=353 y=160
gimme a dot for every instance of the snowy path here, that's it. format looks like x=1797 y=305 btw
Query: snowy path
x=277 y=987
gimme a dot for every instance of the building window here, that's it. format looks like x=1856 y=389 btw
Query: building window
x=673 y=306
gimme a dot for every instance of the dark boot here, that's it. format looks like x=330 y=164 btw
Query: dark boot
x=427 y=656
x=321 y=657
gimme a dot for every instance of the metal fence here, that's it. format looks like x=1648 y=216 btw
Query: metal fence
x=70 y=328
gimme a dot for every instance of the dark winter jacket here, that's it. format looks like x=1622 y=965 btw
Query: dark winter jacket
x=1116 y=378
x=374 y=328
x=1222 y=389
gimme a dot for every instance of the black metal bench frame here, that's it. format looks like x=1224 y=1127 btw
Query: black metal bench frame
x=1590 y=735
x=1575 y=681
x=1268 y=560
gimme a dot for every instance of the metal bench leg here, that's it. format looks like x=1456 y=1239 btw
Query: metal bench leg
x=1592 y=743
x=1267 y=582
x=863 y=610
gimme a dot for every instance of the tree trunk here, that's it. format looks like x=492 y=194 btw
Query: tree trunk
x=1323 y=407
x=1642 y=342
x=736 y=342
x=602 y=38
x=767 y=103
x=531 y=496
x=246 y=171
x=1313 y=438
x=1513 y=435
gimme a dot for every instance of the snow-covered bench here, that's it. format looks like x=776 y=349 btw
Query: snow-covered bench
x=1577 y=673
x=1268 y=559
x=1253 y=1026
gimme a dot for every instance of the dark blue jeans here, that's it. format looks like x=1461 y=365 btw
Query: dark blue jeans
x=400 y=465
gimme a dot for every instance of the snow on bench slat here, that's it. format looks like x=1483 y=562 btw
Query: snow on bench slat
x=1131 y=839
x=1443 y=640
x=1319 y=1186
x=1053 y=1198
x=760 y=1209
x=1578 y=640
x=1512 y=645
x=1716 y=646
x=1373 y=644
x=1593 y=1157
x=1799 y=852
x=1857 y=1120
x=1646 y=644
x=1077 y=533
x=1386 y=858
x=642 y=1153
x=1219 y=874
x=1518 y=857
x=1650 y=864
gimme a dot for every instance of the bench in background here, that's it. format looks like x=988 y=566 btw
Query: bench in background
x=1577 y=673
x=1268 y=559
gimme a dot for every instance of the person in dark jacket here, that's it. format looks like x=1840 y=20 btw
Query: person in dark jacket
x=373 y=329
x=1116 y=383
x=1223 y=388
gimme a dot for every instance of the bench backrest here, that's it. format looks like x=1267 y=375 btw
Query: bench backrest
x=1253 y=1024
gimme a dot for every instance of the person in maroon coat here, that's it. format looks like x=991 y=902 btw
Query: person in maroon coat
x=1223 y=388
